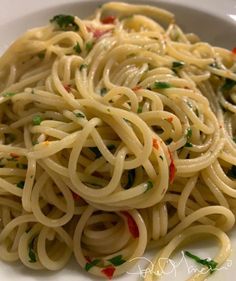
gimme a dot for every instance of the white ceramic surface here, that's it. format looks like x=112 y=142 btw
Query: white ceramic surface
x=213 y=20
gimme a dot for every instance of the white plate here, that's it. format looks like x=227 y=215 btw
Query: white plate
x=213 y=20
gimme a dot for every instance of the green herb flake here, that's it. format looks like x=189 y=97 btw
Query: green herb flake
x=111 y=146
x=65 y=22
x=140 y=109
x=176 y=65
x=168 y=141
x=89 y=46
x=83 y=66
x=37 y=120
x=103 y=91
x=41 y=55
x=91 y=264
x=161 y=157
x=21 y=184
x=21 y=166
x=161 y=85
x=32 y=254
x=188 y=144
x=214 y=65
x=79 y=115
x=148 y=185
x=131 y=178
x=6 y=95
x=228 y=85
x=96 y=151
x=116 y=261
x=189 y=133
x=234 y=139
x=35 y=142
x=232 y=172
x=211 y=264
x=77 y=48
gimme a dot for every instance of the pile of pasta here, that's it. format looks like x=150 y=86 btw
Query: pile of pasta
x=117 y=134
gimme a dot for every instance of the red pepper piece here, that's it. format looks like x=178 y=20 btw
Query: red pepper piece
x=172 y=168
x=108 y=20
x=137 y=88
x=155 y=143
x=14 y=155
x=67 y=88
x=170 y=119
x=133 y=228
x=108 y=272
x=234 y=50
x=76 y=197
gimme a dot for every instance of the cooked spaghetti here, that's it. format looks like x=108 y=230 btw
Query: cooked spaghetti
x=117 y=134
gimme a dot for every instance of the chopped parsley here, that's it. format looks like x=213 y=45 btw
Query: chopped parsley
x=140 y=109
x=21 y=166
x=161 y=157
x=228 y=85
x=65 y=22
x=148 y=185
x=5 y=95
x=89 y=46
x=103 y=91
x=41 y=55
x=131 y=178
x=111 y=146
x=37 y=120
x=83 y=66
x=176 y=65
x=20 y=184
x=215 y=65
x=96 y=151
x=77 y=48
x=116 y=261
x=211 y=264
x=189 y=133
x=234 y=139
x=161 y=85
x=91 y=264
x=188 y=144
x=35 y=142
x=79 y=115
x=32 y=254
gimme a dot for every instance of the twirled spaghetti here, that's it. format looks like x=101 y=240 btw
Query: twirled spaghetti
x=117 y=134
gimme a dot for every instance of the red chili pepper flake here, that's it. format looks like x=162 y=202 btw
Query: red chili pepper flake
x=170 y=119
x=14 y=155
x=76 y=197
x=108 y=20
x=136 y=88
x=172 y=168
x=97 y=33
x=67 y=88
x=234 y=50
x=108 y=272
x=88 y=259
x=155 y=143
x=133 y=228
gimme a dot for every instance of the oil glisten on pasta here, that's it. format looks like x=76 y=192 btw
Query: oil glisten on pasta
x=117 y=135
